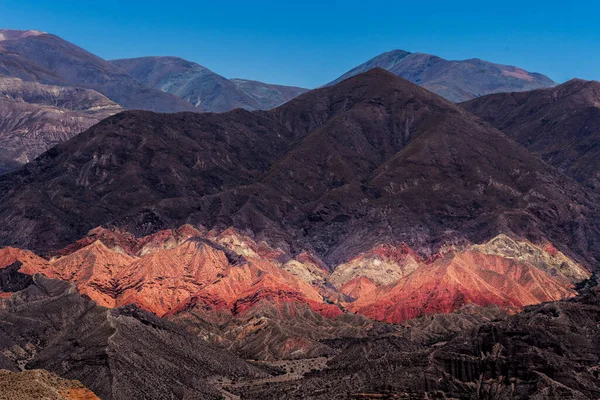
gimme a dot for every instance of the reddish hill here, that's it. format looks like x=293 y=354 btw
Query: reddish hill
x=166 y=271
x=458 y=279
x=230 y=274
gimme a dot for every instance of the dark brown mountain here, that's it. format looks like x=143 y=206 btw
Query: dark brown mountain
x=454 y=80
x=561 y=124
x=123 y=353
x=45 y=58
x=203 y=88
x=374 y=159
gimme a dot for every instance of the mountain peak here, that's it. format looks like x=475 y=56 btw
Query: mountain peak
x=13 y=34
x=203 y=88
x=396 y=53
x=452 y=79
x=377 y=73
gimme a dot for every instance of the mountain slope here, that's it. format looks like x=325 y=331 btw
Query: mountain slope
x=51 y=60
x=119 y=354
x=455 y=80
x=337 y=171
x=51 y=90
x=561 y=125
x=203 y=88
x=267 y=95
x=34 y=117
x=549 y=351
x=40 y=384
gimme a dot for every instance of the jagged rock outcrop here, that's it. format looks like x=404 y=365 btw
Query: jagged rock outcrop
x=40 y=384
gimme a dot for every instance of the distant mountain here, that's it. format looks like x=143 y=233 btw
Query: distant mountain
x=561 y=124
x=203 y=88
x=51 y=90
x=455 y=80
x=54 y=75
x=266 y=95
x=35 y=117
x=62 y=63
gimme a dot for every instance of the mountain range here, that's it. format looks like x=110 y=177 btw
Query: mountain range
x=374 y=145
x=46 y=82
x=455 y=80
x=43 y=63
x=366 y=239
x=203 y=88
x=269 y=238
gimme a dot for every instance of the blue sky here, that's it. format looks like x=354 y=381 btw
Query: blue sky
x=309 y=43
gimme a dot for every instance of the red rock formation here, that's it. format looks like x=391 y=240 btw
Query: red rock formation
x=95 y=268
x=31 y=262
x=359 y=288
x=457 y=279
x=172 y=270
x=230 y=274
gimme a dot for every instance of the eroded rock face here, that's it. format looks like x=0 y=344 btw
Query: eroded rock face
x=167 y=271
x=546 y=257
x=510 y=273
x=245 y=295
x=547 y=351
x=458 y=279
x=40 y=384
x=119 y=354
x=382 y=265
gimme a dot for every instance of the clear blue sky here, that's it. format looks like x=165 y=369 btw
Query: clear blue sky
x=308 y=43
